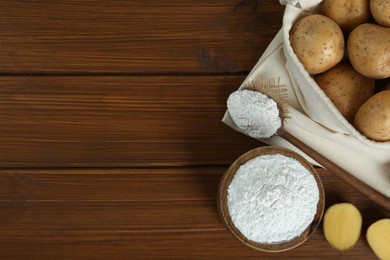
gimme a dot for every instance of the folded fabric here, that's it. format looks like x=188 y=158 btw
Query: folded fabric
x=312 y=117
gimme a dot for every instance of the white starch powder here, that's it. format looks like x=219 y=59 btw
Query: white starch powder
x=272 y=198
x=254 y=113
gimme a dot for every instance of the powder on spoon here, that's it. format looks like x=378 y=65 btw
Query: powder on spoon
x=272 y=198
x=254 y=113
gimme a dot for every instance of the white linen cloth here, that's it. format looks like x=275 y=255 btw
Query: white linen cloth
x=313 y=118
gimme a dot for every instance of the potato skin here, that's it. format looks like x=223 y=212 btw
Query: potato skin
x=368 y=48
x=346 y=88
x=373 y=117
x=318 y=43
x=348 y=14
x=380 y=10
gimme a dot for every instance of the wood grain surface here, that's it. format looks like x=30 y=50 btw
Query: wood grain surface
x=117 y=121
x=170 y=36
x=111 y=140
x=159 y=212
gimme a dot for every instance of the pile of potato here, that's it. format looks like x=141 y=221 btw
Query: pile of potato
x=346 y=49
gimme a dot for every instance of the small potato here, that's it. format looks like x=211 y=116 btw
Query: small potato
x=378 y=238
x=346 y=88
x=373 y=117
x=318 y=43
x=380 y=10
x=342 y=225
x=347 y=13
x=368 y=48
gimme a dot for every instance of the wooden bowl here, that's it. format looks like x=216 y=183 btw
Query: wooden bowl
x=224 y=211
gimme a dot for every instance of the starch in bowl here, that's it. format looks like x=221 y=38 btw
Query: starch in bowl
x=271 y=199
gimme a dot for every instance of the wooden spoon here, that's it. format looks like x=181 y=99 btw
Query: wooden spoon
x=354 y=182
x=280 y=102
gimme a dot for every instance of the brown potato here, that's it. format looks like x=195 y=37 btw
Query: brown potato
x=373 y=117
x=348 y=14
x=368 y=48
x=380 y=10
x=346 y=88
x=318 y=43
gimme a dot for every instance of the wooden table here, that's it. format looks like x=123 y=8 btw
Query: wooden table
x=111 y=140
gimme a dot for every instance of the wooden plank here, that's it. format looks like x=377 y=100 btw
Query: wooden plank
x=117 y=121
x=167 y=245
x=91 y=185
x=102 y=213
x=135 y=36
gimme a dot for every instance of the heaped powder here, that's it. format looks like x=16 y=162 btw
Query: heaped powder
x=254 y=113
x=272 y=198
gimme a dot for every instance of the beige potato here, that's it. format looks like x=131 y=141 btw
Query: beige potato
x=368 y=48
x=346 y=88
x=380 y=10
x=348 y=14
x=373 y=117
x=318 y=43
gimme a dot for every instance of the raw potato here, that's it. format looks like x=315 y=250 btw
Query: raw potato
x=380 y=9
x=342 y=225
x=373 y=117
x=368 y=48
x=318 y=43
x=378 y=237
x=347 y=13
x=346 y=88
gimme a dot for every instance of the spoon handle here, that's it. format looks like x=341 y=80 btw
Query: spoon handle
x=363 y=188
